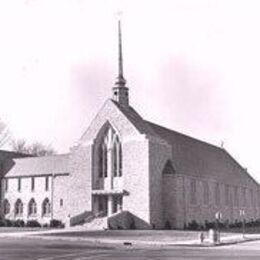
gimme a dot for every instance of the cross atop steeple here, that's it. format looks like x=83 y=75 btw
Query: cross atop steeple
x=120 y=91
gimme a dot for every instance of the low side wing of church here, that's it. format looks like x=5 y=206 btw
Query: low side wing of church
x=126 y=172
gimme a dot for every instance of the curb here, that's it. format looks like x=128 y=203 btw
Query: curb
x=126 y=242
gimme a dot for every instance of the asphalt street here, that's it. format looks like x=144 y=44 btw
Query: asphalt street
x=43 y=249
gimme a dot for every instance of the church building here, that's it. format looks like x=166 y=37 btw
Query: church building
x=126 y=172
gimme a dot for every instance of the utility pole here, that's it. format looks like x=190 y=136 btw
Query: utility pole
x=242 y=215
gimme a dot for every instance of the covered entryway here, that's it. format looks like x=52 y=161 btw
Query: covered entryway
x=107 y=204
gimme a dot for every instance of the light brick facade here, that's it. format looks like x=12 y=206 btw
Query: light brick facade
x=204 y=179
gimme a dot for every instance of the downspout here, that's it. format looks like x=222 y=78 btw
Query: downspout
x=184 y=199
x=52 y=195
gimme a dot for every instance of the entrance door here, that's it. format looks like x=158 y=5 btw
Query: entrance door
x=117 y=204
x=102 y=205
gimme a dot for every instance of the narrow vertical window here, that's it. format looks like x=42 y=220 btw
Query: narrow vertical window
x=217 y=194
x=32 y=208
x=18 y=208
x=46 y=183
x=193 y=199
x=104 y=160
x=243 y=197
x=115 y=159
x=6 y=184
x=236 y=196
x=100 y=161
x=32 y=183
x=227 y=195
x=120 y=160
x=61 y=202
x=19 y=184
x=252 y=197
x=206 y=192
x=102 y=155
x=6 y=205
x=46 y=207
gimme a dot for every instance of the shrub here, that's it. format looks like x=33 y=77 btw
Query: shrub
x=167 y=225
x=238 y=224
x=56 y=223
x=251 y=223
x=2 y=223
x=209 y=225
x=33 y=223
x=220 y=225
x=18 y=223
x=45 y=225
x=232 y=225
x=9 y=223
x=257 y=222
x=193 y=225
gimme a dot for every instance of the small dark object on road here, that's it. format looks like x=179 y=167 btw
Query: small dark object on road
x=127 y=244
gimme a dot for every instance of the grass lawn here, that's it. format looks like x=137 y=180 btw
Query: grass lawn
x=144 y=235
x=248 y=230
x=20 y=229
x=148 y=235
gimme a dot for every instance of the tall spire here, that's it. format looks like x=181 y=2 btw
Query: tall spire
x=120 y=91
x=120 y=78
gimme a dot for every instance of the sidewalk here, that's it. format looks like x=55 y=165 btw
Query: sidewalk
x=156 y=238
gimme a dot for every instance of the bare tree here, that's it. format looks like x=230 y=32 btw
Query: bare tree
x=39 y=149
x=36 y=149
x=5 y=134
x=19 y=146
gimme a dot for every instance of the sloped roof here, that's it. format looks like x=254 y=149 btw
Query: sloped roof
x=197 y=158
x=11 y=154
x=6 y=156
x=192 y=156
x=54 y=164
x=136 y=120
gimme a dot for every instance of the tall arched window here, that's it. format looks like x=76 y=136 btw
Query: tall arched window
x=117 y=158
x=6 y=207
x=32 y=208
x=120 y=159
x=102 y=154
x=18 y=208
x=110 y=151
x=46 y=207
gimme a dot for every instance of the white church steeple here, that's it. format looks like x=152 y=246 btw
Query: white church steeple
x=120 y=91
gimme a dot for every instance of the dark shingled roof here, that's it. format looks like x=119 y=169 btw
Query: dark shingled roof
x=54 y=164
x=136 y=120
x=197 y=158
x=7 y=156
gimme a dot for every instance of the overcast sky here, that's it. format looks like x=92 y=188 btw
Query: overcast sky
x=190 y=65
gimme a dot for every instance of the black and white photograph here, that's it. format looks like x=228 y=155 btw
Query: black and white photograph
x=129 y=129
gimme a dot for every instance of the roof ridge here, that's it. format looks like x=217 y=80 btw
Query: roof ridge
x=46 y=156
x=188 y=136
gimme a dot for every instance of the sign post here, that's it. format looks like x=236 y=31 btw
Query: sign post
x=218 y=217
x=242 y=215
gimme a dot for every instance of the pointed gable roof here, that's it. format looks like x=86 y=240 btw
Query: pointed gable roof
x=140 y=124
x=123 y=118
